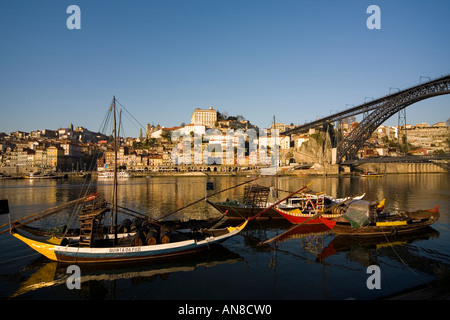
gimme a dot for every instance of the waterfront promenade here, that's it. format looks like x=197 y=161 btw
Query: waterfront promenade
x=314 y=170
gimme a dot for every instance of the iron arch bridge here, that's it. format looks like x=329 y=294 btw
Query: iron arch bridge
x=375 y=113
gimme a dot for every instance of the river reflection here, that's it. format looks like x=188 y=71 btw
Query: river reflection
x=308 y=263
x=51 y=274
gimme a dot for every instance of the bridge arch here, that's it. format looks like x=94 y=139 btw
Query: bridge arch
x=386 y=108
x=376 y=112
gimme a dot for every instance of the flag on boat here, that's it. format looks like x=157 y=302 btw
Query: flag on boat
x=4 y=208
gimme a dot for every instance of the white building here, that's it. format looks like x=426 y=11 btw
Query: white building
x=198 y=129
x=204 y=117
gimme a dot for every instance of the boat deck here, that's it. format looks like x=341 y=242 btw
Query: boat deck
x=129 y=240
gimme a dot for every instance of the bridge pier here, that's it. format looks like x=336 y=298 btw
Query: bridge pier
x=345 y=169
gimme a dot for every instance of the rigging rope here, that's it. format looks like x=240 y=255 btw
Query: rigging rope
x=21 y=257
x=403 y=261
x=87 y=186
x=105 y=126
x=130 y=114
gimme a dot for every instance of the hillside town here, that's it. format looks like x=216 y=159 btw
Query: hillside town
x=79 y=149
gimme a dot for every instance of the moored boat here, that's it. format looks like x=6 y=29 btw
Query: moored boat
x=256 y=199
x=96 y=241
x=140 y=239
x=297 y=217
x=39 y=175
x=127 y=248
x=368 y=174
x=314 y=212
x=110 y=174
x=360 y=220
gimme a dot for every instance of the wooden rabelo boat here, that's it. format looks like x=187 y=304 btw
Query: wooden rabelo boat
x=362 y=219
x=295 y=216
x=313 y=212
x=93 y=243
x=128 y=248
x=256 y=199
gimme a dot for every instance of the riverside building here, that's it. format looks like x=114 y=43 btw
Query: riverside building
x=206 y=117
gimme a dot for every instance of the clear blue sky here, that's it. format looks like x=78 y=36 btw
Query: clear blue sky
x=297 y=60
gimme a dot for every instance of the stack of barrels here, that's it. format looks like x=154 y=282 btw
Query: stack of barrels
x=146 y=233
x=339 y=210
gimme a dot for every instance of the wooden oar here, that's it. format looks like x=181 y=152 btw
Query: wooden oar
x=74 y=202
x=139 y=215
x=43 y=214
x=196 y=201
x=278 y=202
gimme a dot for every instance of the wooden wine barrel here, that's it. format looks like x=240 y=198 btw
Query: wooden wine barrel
x=338 y=210
x=136 y=224
x=137 y=240
x=125 y=226
x=145 y=228
x=152 y=236
x=164 y=235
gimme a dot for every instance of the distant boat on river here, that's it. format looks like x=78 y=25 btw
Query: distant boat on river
x=110 y=174
x=368 y=174
x=39 y=175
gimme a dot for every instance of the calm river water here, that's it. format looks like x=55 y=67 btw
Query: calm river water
x=301 y=267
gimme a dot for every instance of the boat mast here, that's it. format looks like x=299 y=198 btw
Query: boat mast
x=120 y=122
x=275 y=159
x=115 y=169
x=114 y=208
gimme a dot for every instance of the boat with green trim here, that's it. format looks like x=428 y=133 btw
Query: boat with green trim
x=362 y=219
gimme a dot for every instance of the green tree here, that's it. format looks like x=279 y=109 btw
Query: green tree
x=166 y=135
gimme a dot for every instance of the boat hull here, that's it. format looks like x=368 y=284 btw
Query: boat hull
x=372 y=175
x=125 y=254
x=239 y=211
x=411 y=222
x=52 y=248
x=235 y=212
x=300 y=218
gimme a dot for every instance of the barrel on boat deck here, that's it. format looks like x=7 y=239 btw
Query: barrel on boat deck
x=338 y=210
x=164 y=235
x=138 y=239
x=152 y=236
x=136 y=224
x=145 y=228
x=125 y=226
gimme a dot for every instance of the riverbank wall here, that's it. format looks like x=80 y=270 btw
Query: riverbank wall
x=396 y=168
x=314 y=170
x=384 y=168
